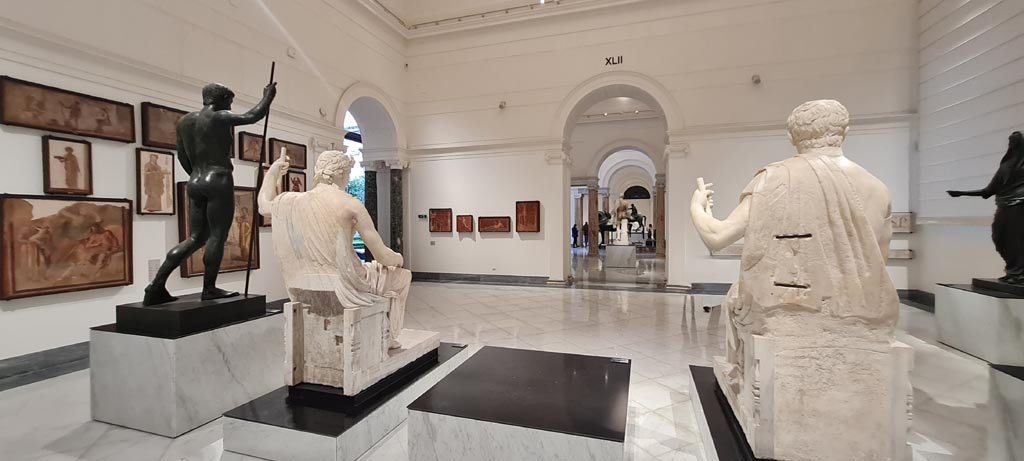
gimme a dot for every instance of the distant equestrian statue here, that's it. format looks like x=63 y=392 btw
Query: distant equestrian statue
x=635 y=218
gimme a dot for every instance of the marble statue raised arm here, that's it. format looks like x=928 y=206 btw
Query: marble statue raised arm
x=271 y=185
x=718 y=234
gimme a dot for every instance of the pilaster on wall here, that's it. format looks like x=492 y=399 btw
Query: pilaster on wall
x=558 y=232
x=674 y=221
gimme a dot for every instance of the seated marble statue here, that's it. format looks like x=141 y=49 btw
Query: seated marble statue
x=312 y=235
x=811 y=319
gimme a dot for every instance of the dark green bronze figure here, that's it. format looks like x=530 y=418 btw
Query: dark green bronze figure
x=204 y=150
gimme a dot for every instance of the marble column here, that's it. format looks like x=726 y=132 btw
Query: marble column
x=659 y=214
x=371 y=195
x=397 y=208
x=605 y=199
x=595 y=223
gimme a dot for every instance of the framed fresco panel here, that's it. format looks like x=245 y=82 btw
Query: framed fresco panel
x=42 y=107
x=295 y=181
x=528 y=216
x=67 y=166
x=440 y=220
x=296 y=152
x=160 y=125
x=154 y=182
x=464 y=223
x=249 y=146
x=236 y=250
x=495 y=224
x=62 y=244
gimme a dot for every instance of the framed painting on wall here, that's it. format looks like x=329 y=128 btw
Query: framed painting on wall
x=236 y=249
x=495 y=224
x=42 y=107
x=62 y=244
x=295 y=181
x=154 y=182
x=160 y=125
x=296 y=153
x=528 y=216
x=464 y=223
x=67 y=166
x=440 y=220
x=249 y=146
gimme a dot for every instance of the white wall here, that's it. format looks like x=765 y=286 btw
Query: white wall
x=971 y=91
x=135 y=51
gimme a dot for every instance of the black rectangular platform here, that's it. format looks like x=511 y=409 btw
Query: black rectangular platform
x=274 y=408
x=982 y=290
x=996 y=285
x=730 y=441
x=188 y=315
x=334 y=398
x=572 y=394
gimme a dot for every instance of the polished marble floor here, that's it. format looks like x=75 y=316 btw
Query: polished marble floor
x=590 y=270
x=49 y=420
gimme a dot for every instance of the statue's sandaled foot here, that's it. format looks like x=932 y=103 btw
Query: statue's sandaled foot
x=217 y=293
x=157 y=295
x=1013 y=279
x=395 y=344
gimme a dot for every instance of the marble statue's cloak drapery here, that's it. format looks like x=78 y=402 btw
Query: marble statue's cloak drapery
x=809 y=250
x=313 y=241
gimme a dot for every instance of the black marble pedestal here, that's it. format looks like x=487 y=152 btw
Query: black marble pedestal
x=188 y=315
x=729 y=441
x=996 y=285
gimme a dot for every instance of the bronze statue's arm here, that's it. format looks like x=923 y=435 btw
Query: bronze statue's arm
x=253 y=115
x=183 y=158
x=991 y=189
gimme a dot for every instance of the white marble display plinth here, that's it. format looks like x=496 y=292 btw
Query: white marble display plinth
x=171 y=386
x=1006 y=398
x=290 y=433
x=623 y=256
x=981 y=323
x=438 y=437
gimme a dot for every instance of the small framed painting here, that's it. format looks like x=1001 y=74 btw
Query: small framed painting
x=32 y=105
x=249 y=146
x=528 y=216
x=295 y=181
x=67 y=166
x=154 y=182
x=296 y=152
x=440 y=220
x=495 y=224
x=62 y=244
x=464 y=223
x=236 y=249
x=160 y=125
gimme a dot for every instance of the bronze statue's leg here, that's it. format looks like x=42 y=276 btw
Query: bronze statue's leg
x=220 y=213
x=1006 y=229
x=156 y=292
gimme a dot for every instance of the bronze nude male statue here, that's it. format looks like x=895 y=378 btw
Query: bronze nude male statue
x=1008 y=224
x=204 y=150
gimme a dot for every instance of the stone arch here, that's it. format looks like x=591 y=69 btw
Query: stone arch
x=614 y=84
x=376 y=115
x=617 y=146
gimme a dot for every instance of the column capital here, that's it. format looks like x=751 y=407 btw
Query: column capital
x=590 y=183
x=557 y=157
x=397 y=164
x=677 y=149
x=659 y=181
x=376 y=165
x=604 y=191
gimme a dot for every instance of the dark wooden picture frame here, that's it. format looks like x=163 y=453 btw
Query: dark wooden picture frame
x=440 y=219
x=494 y=224
x=296 y=153
x=84 y=165
x=159 y=125
x=255 y=140
x=34 y=105
x=235 y=254
x=59 y=246
x=144 y=180
x=464 y=223
x=528 y=216
x=290 y=179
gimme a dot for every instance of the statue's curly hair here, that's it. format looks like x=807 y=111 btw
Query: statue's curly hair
x=821 y=123
x=333 y=167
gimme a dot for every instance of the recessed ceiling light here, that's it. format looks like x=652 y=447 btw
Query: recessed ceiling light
x=606 y=114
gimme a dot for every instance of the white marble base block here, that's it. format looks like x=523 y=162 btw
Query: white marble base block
x=984 y=326
x=437 y=437
x=623 y=256
x=1006 y=429
x=279 y=443
x=171 y=386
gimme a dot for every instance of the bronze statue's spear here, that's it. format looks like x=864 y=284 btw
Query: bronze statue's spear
x=255 y=196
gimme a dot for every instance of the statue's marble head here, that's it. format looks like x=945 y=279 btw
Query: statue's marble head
x=333 y=168
x=816 y=124
x=218 y=96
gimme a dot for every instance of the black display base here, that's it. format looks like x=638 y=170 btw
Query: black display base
x=333 y=398
x=730 y=441
x=1016 y=372
x=996 y=285
x=188 y=315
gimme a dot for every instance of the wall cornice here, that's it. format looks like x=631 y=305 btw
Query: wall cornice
x=858 y=123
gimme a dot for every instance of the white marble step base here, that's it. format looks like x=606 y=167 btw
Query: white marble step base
x=622 y=256
x=983 y=326
x=277 y=443
x=437 y=437
x=171 y=386
x=1006 y=429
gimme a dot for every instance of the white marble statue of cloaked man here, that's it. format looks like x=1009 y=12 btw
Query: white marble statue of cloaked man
x=814 y=292
x=313 y=233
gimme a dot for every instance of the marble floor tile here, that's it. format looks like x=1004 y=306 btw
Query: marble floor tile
x=49 y=420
